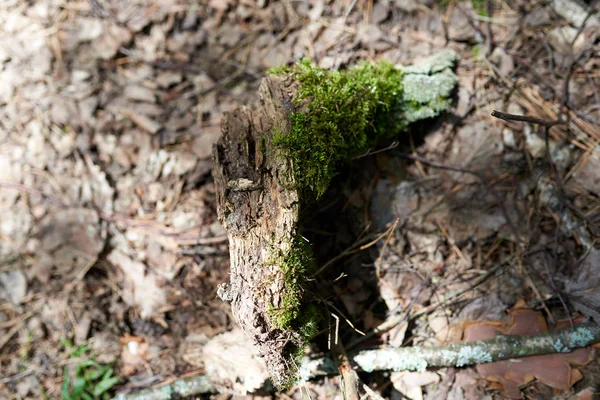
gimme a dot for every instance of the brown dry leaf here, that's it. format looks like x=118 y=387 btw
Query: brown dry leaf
x=133 y=353
x=221 y=5
x=584 y=286
x=589 y=175
x=110 y=41
x=410 y=383
x=140 y=288
x=13 y=286
x=586 y=394
x=554 y=370
x=70 y=242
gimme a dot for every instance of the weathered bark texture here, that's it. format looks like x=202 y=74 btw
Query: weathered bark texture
x=259 y=207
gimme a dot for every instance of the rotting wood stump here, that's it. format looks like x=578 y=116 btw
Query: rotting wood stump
x=260 y=212
x=279 y=156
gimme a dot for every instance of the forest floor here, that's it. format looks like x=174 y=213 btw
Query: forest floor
x=110 y=249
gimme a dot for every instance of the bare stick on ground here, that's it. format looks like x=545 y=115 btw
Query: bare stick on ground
x=350 y=382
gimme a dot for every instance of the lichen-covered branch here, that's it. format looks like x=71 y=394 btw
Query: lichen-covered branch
x=502 y=347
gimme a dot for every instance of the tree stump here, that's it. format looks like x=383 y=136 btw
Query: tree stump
x=258 y=201
x=259 y=207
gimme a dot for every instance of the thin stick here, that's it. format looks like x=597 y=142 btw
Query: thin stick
x=350 y=382
x=524 y=118
x=351 y=250
x=502 y=347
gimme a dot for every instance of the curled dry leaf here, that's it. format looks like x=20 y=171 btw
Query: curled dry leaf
x=133 y=353
x=555 y=370
x=233 y=362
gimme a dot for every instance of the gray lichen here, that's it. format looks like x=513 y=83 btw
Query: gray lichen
x=376 y=359
x=192 y=386
x=581 y=337
x=559 y=347
x=438 y=62
x=428 y=86
x=178 y=389
x=311 y=367
x=468 y=355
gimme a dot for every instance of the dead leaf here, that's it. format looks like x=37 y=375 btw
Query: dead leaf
x=410 y=383
x=221 y=5
x=589 y=175
x=13 y=286
x=108 y=44
x=140 y=288
x=139 y=93
x=133 y=353
x=554 y=370
x=231 y=358
x=71 y=240
x=143 y=122
x=584 y=286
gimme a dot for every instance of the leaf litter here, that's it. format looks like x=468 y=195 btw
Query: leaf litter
x=109 y=109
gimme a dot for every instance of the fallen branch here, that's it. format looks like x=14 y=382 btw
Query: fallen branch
x=502 y=347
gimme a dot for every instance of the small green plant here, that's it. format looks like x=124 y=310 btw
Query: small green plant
x=90 y=380
x=480 y=7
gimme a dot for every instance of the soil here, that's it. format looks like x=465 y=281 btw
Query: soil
x=110 y=246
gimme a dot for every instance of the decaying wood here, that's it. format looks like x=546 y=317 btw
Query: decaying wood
x=259 y=208
x=258 y=204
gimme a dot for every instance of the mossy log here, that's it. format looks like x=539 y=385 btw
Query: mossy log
x=275 y=158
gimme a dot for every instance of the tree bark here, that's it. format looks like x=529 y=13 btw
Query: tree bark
x=259 y=207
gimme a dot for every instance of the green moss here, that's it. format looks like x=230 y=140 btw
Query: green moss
x=279 y=70
x=480 y=7
x=262 y=146
x=306 y=328
x=346 y=113
x=294 y=314
x=295 y=266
